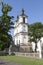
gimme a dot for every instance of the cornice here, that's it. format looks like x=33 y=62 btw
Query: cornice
x=25 y=33
x=20 y=23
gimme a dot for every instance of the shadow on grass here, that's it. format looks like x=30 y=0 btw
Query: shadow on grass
x=2 y=63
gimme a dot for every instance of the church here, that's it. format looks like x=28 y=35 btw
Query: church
x=21 y=29
x=21 y=35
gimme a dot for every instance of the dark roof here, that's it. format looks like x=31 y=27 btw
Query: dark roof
x=23 y=14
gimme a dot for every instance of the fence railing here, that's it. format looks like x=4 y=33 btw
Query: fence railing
x=34 y=55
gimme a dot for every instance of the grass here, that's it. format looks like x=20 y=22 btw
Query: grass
x=23 y=60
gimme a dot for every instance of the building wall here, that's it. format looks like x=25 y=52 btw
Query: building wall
x=21 y=39
x=18 y=29
x=21 y=19
x=21 y=28
x=21 y=33
x=39 y=47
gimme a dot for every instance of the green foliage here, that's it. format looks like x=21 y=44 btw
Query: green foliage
x=6 y=25
x=35 y=32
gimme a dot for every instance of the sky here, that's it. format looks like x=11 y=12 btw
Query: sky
x=33 y=9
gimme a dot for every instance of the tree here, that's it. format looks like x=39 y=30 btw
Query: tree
x=6 y=25
x=35 y=32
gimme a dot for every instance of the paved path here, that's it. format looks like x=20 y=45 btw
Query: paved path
x=5 y=62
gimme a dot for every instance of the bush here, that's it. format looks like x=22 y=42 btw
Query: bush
x=12 y=54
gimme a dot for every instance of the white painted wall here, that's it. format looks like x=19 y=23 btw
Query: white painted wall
x=40 y=44
x=26 y=20
x=19 y=39
x=21 y=30
x=20 y=19
x=33 y=46
x=18 y=29
x=39 y=47
x=24 y=28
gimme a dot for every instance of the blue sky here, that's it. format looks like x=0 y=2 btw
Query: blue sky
x=33 y=9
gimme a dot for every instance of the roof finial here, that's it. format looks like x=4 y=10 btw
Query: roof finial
x=22 y=11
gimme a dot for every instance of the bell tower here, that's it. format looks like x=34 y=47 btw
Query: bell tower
x=21 y=29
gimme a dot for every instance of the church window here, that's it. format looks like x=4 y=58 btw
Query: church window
x=23 y=19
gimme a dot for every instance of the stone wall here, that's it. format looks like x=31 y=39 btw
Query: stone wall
x=26 y=48
x=31 y=55
x=3 y=53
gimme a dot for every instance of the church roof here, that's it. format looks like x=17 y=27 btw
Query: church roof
x=23 y=13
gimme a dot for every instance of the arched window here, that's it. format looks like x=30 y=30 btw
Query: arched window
x=23 y=19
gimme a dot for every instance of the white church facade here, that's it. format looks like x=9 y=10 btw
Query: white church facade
x=21 y=34
x=21 y=29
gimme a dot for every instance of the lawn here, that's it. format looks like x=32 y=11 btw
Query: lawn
x=23 y=60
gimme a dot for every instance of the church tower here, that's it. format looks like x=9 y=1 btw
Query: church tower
x=21 y=29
